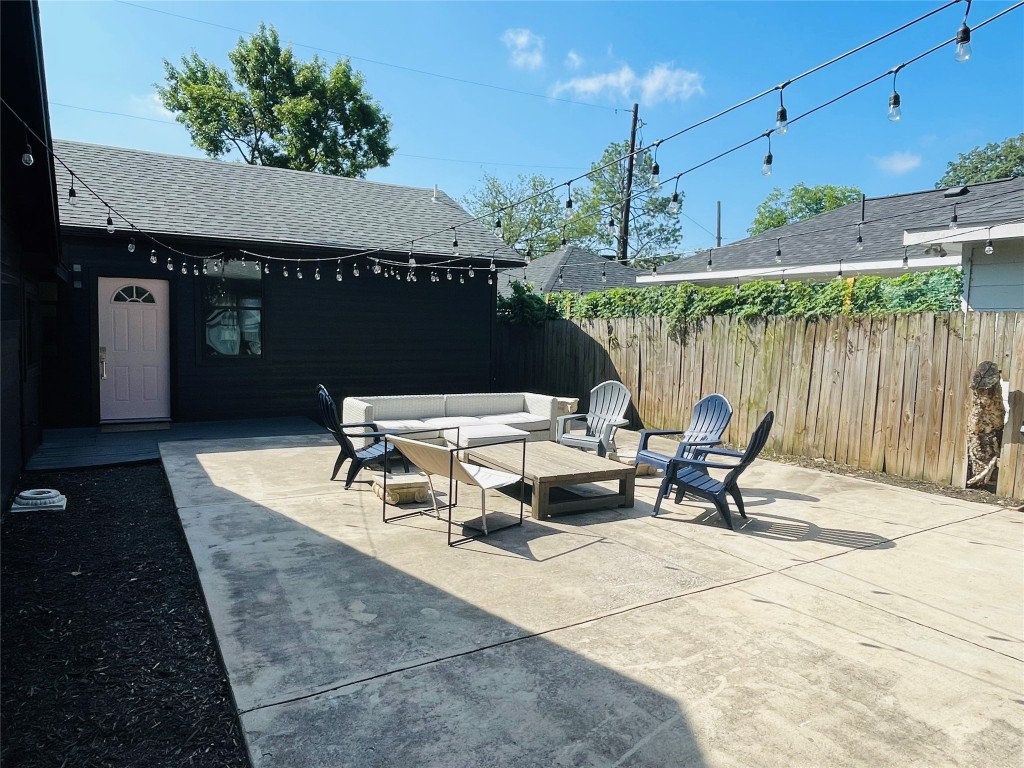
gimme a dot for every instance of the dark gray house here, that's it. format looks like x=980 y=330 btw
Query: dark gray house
x=572 y=269
x=979 y=228
x=220 y=296
x=29 y=240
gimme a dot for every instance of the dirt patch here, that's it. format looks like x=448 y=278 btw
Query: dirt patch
x=985 y=495
x=108 y=654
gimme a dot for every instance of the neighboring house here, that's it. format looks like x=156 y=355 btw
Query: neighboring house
x=240 y=332
x=29 y=239
x=916 y=225
x=571 y=269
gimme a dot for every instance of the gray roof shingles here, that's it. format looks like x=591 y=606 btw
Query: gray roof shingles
x=832 y=235
x=580 y=270
x=170 y=195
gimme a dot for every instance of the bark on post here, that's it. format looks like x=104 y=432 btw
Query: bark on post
x=985 y=424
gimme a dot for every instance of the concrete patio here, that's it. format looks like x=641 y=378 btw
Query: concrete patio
x=847 y=623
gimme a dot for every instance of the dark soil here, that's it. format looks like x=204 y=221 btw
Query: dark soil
x=983 y=495
x=108 y=657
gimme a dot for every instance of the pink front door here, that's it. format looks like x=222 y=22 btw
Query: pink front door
x=134 y=358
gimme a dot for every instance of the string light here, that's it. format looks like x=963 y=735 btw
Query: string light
x=449 y=274
x=782 y=116
x=612 y=229
x=710 y=253
x=860 y=240
x=471 y=272
x=529 y=252
x=778 y=250
x=131 y=245
x=497 y=227
x=152 y=256
x=316 y=275
x=568 y=199
x=205 y=270
x=894 y=100
x=355 y=269
x=989 y=249
x=284 y=270
x=963 y=38
x=604 y=275
x=184 y=268
x=266 y=267
x=337 y=275
x=953 y=223
x=656 y=169
x=195 y=270
x=839 y=275
x=298 y=271
x=766 y=169
x=906 y=262
x=110 y=223
x=170 y=264
x=72 y=194
x=26 y=157
x=560 y=278
x=455 y=242
x=674 y=206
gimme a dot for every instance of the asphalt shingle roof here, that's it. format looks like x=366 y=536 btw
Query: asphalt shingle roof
x=832 y=235
x=580 y=270
x=228 y=201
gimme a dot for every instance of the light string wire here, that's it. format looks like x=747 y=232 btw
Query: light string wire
x=394 y=248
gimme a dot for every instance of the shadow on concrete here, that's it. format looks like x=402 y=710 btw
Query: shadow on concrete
x=338 y=658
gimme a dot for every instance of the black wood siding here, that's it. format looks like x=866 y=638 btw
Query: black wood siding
x=363 y=336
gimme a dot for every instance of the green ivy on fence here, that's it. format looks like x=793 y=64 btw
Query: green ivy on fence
x=686 y=304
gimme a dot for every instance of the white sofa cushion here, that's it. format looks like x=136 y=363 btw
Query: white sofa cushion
x=531 y=422
x=406 y=406
x=451 y=422
x=480 y=404
x=482 y=434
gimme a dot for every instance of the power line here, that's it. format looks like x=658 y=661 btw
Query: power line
x=385 y=63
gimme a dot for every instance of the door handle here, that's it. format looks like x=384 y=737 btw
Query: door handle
x=103 y=362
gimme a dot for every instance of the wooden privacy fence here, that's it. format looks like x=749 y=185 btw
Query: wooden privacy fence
x=888 y=394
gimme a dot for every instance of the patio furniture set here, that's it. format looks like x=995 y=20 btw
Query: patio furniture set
x=520 y=441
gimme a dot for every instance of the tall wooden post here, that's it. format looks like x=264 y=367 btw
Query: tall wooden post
x=624 y=224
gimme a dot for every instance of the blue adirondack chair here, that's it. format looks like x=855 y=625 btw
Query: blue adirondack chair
x=690 y=475
x=360 y=457
x=608 y=403
x=711 y=416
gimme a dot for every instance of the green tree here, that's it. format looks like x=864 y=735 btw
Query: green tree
x=801 y=202
x=538 y=222
x=654 y=230
x=987 y=163
x=276 y=110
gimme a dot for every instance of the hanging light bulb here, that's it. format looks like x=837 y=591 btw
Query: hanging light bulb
x=497 y=227
x=131 y=245
x=708 y=269
x=266 y=267
x=894 y=108
x=376 y=267
x=462 y=279
x=766 y=168
x=471 y=272
x=953 y=219
x=604 y=275
x=298 y=272
x=778 y=250
x=455 y=241
x=170 y=264
x=560 y=278
x=152 y=256
x=337 y=275
x=736 y=289
x=963 y=42
x=110 y=222
x=906 y=262
x=184 y=268
x=654 y=270
x=492 y=264
x=568 y=199
x=860 y=240
x=205 y=270
x=989 y=249
x=284 y=270
x=782 y=283
x=612 y=229
x=782 y=116
x=490 y=280
x=673 y=206
x=72 y=193
x=355 y=269
x=839 y=274
x=26 y=157
x=529 y=253
x=449 y=274
x=195 y=270
x=655 y=176
x=316 y=275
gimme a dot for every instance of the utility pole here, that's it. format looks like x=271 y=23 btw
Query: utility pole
x=624 y=224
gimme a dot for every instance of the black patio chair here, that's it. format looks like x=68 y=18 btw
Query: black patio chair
x=360 y=457
x=690 y=475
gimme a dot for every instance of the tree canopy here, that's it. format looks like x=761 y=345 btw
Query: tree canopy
x=541 y=221
x=801 y=202
x=273 y=109
x=992 y=161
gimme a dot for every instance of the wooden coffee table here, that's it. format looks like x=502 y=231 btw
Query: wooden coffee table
x=550 y=471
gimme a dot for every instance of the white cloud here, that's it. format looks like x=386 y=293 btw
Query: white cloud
x=573 y=60
x=898 y=163
x=526 y=50
x=151 y=106
x=663 y=82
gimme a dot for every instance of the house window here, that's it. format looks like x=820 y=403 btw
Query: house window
x=233 y=309
x=135 y=294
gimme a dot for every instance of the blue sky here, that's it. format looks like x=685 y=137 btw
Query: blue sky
x=682 y=61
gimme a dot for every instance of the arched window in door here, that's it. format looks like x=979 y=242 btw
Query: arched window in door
x=134 y=293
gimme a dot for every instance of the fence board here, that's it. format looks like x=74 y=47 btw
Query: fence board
x=936 y=397
x=869 y=428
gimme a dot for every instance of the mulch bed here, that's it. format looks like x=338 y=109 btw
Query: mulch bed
x=108 y=657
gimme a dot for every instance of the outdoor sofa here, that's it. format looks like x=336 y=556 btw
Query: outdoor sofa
x=429 y=415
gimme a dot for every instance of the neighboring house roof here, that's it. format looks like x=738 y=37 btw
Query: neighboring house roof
x=816 y=245
x=579 y=268
x=218 y=200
